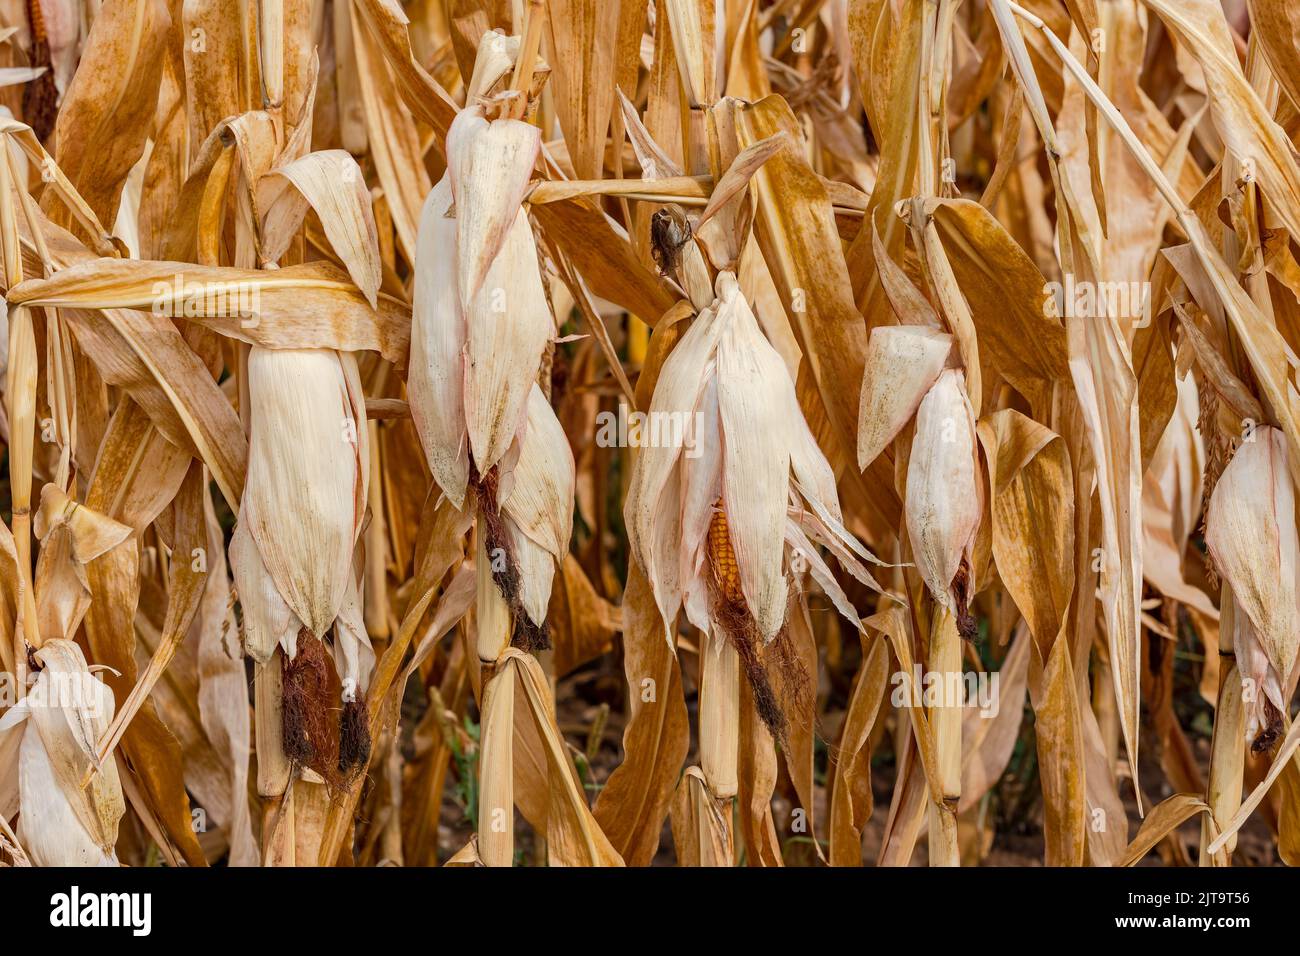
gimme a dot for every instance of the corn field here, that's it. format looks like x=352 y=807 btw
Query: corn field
x=684 y=432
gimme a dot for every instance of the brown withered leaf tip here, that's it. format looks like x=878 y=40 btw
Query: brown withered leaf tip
x=669 y=232
x=967 y=626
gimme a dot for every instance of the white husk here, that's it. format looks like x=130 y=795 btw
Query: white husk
x=1251 y=534
x=943 y=495
x=744 y=441
x=304 y=500
x=436 y=382
x=67 y=711
x=903 y=362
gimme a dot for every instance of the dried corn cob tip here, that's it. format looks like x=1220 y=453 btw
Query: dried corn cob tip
x=731 y=622
x=1250 y=532
x=722 y=559
x=944 y=494
x=67 y=711
x=304 y=501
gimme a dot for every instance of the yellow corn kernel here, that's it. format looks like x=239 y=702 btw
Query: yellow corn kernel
x=722 y=558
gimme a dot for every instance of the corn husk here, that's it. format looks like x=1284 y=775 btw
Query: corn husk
x=480 y=317
x=944 y=497
x=903 y=362
x=306 y=499
x=268 y=620
x=66 y=711
x=438 y=334
x=751 y=453
x=1250 y=532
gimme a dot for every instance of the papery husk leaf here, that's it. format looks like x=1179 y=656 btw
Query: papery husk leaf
x=542 y=486
x=70 y=708
x=436 y=379
x=759 y=415
x=508 y=323
x=1060 y=755
x=1276 y=27
x=943 y=498
x=1018 y=338
x=1163 y=820
x=583 y=34
x=601 y=252
x=851 y=799
x=496 y=771
x=1033 y=519
x=316 y=396
x=1250 y=532
x=104 y=118
x=268 y=620
x=1239 y=115
x=490 y=162
x=903 y=361
x=573 y=836
x=702 y=834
